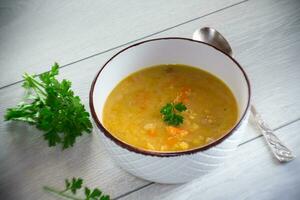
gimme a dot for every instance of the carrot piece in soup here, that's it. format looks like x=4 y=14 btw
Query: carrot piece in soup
x=183 y=95
x=171 y=141
x=151 y=133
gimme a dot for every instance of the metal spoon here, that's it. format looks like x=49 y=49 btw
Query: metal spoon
x=280 y=151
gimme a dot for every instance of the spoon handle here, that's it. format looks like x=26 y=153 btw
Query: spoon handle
x=281 y=152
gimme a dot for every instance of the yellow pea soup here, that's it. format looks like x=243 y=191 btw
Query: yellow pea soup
x=132 y=111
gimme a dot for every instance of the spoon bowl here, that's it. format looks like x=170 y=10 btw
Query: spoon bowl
x=213 y=37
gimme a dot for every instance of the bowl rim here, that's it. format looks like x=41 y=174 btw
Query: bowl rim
x=158 y=153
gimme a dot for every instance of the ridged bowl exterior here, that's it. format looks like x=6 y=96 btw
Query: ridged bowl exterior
x=175 y=169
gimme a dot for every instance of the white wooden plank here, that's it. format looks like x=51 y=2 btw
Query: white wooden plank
x=251 y=174
x=18 y=151
x=33 y=34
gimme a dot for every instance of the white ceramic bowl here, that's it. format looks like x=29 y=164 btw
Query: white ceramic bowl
x=176 y=167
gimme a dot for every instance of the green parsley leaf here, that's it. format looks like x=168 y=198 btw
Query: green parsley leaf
x=75 y=185
x=53 y=108
x=170 y=113
x=180 y=107
x=105 y=197
x=168 y=108
x=87 y=191
x=96 y=193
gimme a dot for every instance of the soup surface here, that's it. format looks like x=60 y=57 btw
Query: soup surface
x=132 y=111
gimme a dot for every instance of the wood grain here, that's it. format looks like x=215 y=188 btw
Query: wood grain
x=266 y=41
x=252 y=174
x=33 y=34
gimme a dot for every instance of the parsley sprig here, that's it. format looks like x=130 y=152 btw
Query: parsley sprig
x=71 y=188
x=52 y=107
x=169 y=112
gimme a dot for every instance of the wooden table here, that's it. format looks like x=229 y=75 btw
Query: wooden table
x=82 y=35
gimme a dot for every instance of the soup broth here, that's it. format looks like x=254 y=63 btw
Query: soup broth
x=132 y=110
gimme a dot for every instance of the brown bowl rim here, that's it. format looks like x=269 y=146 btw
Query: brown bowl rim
x=157 y=153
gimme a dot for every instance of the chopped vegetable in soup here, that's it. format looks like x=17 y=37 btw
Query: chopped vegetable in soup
x=170 y=108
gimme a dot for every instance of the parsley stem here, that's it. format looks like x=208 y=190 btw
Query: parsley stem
x=36 y=83
x=38 y=87
x=60 y=193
